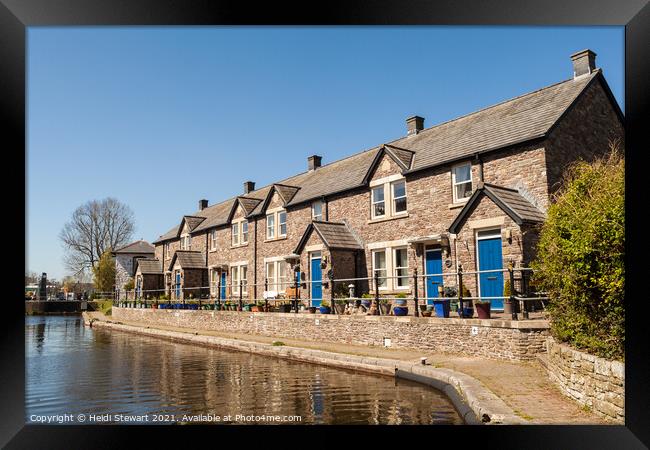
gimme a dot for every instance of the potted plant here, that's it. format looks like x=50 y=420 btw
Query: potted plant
x=467 y=311
x=384 y=306
x=325 y=307
x=154 y=305
x=366 y=300
x=399 y=305
x=507 y=303
x=442 y=306
x=427 y=312
x=312 y=310
x=483 y=308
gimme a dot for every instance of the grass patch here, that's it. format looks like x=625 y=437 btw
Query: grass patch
x=278 y=343
x=523 y=415
x=586 y=408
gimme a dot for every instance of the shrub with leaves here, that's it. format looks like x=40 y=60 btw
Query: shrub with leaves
x=580 y=257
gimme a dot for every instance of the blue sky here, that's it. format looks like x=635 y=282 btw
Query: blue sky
x=160 y=117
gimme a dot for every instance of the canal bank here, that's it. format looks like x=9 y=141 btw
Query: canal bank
x=523 y=387
x=474 y=402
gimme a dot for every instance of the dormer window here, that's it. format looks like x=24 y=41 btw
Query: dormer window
x=317 y=210
x=186 y=242
x=270 y=226
x=461 y=178
x=239 y=233
x=276 y=224
x=213 y=240
x=378 y=203
x=399 y=196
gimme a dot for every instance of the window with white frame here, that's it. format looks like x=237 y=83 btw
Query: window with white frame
x=244 y=232
x=282 y=223
x=378 y=203
x=235 y=233
x=400 y=268
x=399 y=196
x=461 y=178
x=186 y=241
x=213 y=240
x=237 y=274
x=379 y=267
x=214 y=277
x=167 y=255
x=270 y=276
x=317 y=210
x=270 y=226
x=283 y=280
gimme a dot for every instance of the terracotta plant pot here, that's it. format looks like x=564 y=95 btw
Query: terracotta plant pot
x=312 y=310
x=483 y=310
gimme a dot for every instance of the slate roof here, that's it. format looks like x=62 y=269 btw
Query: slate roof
x=335 y=235
x=518 y=120
x=193 y=221
x=149 y=265
x=509 y=200
x=188 y=259
x=139 y=246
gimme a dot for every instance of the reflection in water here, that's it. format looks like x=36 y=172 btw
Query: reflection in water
x=72 y=369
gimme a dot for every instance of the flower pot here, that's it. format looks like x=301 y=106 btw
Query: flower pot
x=453 y=306
x=468 y=312
x=325 y=310
x=312 y=310
x=154 y=306
x=399 y=302
x=385 y=308
x=441 y=307
x=340 y=309
x=400 y=310
x=426 y=313
x=255 y=308
x=483 y=310
x=285 y=308
x=366 y=303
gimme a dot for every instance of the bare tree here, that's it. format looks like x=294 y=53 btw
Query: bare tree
x=95 y=227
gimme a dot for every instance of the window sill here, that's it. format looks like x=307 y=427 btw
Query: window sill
x=238 y=246
x=213 y=250
x=276 y=239
x=457 y=204
x=385 y=219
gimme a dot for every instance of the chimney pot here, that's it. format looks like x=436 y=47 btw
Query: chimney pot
x=414 y=125
x=313 y=162
x=203 y=203
x=249 y=186
x=584 y=62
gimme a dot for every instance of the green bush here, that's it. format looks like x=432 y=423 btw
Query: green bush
x=580 y=260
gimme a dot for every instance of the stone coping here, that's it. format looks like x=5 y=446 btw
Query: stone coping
x=474 y=402
x=529 y=324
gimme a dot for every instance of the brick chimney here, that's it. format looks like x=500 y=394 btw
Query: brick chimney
x=414 y=125
x=249 y=186
x=584 y=62
x=203 y=203
x=313 y=162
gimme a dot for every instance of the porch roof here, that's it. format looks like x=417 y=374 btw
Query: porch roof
x=148 y=266
x=335 y=235
x=515 y=205
x=188 y=259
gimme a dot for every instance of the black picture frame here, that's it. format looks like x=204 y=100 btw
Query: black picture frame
x=17 y=15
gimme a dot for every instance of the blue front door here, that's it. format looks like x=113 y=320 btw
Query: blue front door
x=433 y=266
x=178 y=285
x=317 y=284
x=490 y=258
x=223 y=284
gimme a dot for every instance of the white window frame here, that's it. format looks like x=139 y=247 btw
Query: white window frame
x=186 y=242
x=167 y=255
x=385 y=251
x=271 y=281
x=454 y=184
x=213 y=240
x=393 y=199
x=243 y=240
x=315 y=216
x=214 y=282
x=395 y=268
x=373 y=202
x=271 y=228
x=236 y=273
x=234 y=234
x=280 y=223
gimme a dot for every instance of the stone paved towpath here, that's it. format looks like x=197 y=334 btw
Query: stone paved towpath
x=524 y=386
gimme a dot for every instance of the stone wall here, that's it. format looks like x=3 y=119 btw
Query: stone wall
x=495 y=339
x=592 y=381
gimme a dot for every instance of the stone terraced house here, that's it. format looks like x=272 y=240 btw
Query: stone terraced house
x=471 y=191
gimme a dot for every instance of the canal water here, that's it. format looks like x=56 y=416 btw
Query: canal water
x=119 y=377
